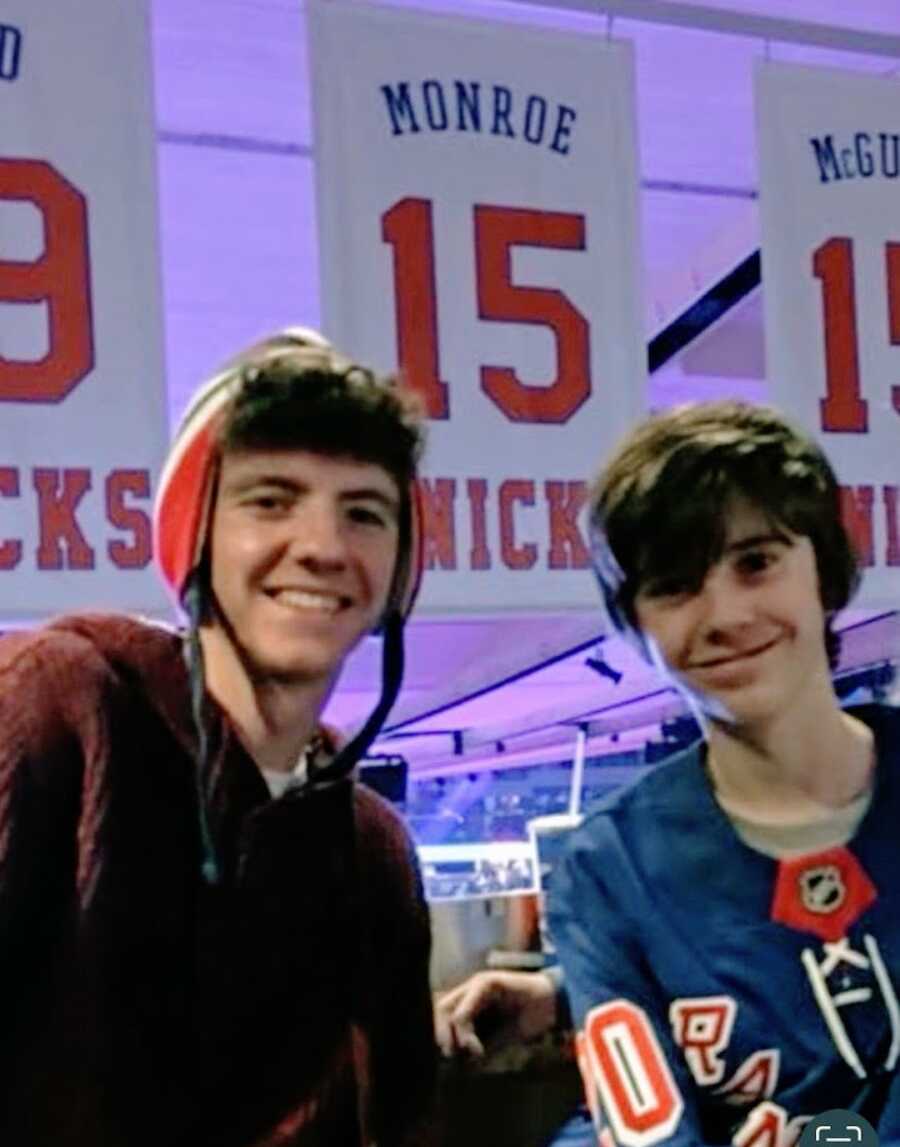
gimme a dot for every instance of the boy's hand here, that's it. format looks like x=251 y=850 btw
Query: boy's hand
x=496 y=1007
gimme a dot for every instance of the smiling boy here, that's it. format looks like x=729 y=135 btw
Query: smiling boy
x=302 y=552
x=728 y=926
x=207 y=930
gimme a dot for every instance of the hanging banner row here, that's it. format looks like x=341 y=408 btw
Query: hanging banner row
x=478 y=200
x=478 y=205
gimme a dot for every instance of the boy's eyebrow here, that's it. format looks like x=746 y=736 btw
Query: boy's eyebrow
x=757 y=540
x=242 y=484
x=246 y=482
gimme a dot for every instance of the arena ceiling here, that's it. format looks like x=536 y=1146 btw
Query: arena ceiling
x=239 y=254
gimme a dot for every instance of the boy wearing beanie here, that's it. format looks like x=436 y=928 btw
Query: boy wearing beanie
x=207 y=929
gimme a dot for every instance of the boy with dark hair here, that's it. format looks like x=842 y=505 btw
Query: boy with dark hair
x=678 y=476
x=729 y=926
x=207 y=930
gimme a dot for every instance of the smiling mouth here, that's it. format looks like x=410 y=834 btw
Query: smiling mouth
x=737 y=658
x=309 y=601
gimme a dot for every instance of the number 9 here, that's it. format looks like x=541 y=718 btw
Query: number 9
x=60 y=278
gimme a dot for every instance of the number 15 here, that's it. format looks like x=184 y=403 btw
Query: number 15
x=408 y=227
x=844 y=410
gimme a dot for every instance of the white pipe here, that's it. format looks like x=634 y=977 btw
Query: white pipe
x=578 y=771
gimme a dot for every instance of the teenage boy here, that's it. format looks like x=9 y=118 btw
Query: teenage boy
x=729 y=926
x=206 y=928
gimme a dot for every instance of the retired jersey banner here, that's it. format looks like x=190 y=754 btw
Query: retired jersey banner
x=477 y=193
x=82 y=400
x=829 y=145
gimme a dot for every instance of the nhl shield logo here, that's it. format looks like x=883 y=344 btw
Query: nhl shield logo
x=823 y=892
x=822 y=889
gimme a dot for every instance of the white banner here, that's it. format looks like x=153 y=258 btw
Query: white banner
x=82 y=397
x=477 y=196
x=829 y=145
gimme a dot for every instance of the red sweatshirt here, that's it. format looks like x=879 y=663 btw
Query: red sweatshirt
x=138 y=1006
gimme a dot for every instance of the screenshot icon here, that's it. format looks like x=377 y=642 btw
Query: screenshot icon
x=839 y=1127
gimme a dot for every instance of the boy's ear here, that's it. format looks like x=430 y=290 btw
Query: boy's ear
x=623 y=622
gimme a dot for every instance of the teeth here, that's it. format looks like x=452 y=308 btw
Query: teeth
x=324 y=603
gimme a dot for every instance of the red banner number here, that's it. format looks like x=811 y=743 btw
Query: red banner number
x=408 y=228
x=497 y=231
x=60 y=278
x=844 y=410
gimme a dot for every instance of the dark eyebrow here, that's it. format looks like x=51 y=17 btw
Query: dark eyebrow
x=757 y=540
x=250 y=481
x=241 y=485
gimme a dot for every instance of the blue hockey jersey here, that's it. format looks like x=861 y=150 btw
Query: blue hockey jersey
x=720 y=995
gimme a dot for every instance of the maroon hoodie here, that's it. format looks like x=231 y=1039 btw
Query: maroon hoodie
x=289 y=1005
